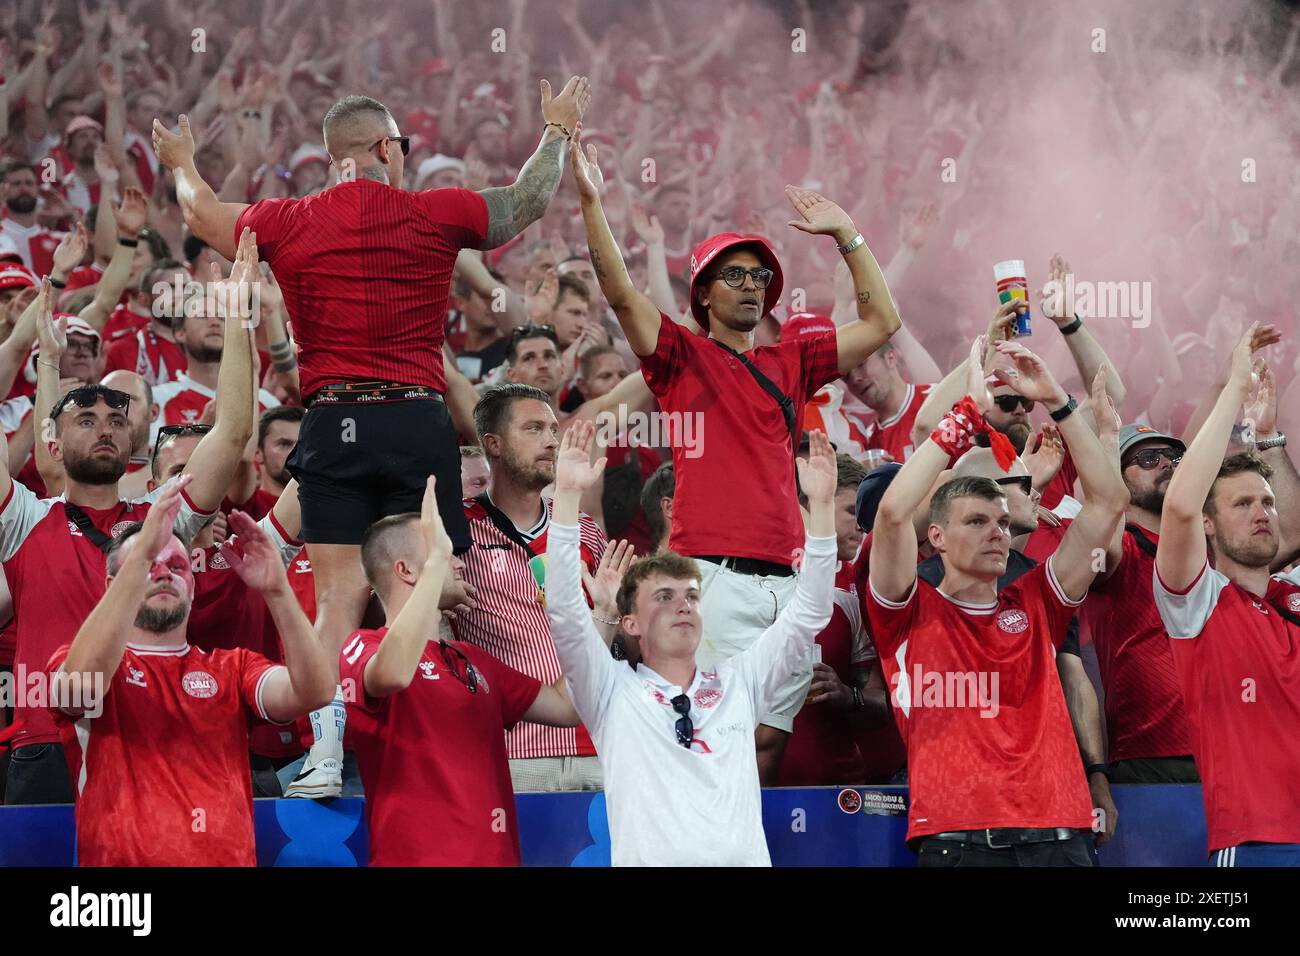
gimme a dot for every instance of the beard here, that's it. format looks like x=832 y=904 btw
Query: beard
x=527 y=474
x=1017 y=433
x=1252 y=553
x=1152 y=499
x=96 y=471
x=21 y=204
x=203 y=353
x=281 y=477
x=157 y=620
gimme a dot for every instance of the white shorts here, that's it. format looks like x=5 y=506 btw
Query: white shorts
x=543 y=774
x=735 y=609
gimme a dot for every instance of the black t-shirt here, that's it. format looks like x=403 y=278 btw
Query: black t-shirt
x=931 y=571
x=476 y=365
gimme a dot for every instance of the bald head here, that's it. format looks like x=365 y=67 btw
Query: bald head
x=980 y=463
x=353 y=125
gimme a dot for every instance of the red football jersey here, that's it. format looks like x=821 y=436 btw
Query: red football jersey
x=433 y=797
x=978 y=701
x=182 y=400
x=366 y=272
x=823 y=749
x=510 y=622
x=1238 y=660
x=1145 y=716
x=123 y=323
x=35 y=244
x=161 y=776
x=45 y=554
x=894 y=434
x=257 y=507
x=145 y=352
x=735 y=490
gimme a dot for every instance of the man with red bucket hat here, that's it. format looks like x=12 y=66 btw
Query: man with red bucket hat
x=735 y=505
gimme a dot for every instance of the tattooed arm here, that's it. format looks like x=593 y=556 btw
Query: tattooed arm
x=513 y=208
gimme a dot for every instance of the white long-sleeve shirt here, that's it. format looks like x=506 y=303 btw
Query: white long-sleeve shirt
x=667 y=805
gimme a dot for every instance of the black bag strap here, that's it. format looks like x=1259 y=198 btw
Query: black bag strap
x=1286 y=613
x=785 y=402
x=82 y=521
x=504 y=524
x=1146 y=544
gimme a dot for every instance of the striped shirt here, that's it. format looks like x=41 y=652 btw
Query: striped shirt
x=510 y=621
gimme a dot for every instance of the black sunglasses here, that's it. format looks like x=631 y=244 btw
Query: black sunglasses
x=685 y=728
x=1149 y=458
x=734 y=276
x=1025 y=482
x=531 y=331
x=87 y=395
x=470 y=677
x=403 y=141
x=169 y=431
x=1008 y=403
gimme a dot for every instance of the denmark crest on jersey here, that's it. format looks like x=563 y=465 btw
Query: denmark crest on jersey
x=1293 y=603
x=1013 y=620
x=199 y=684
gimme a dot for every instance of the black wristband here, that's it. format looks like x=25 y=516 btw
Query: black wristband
x=1101 y=768
x=129 y=243
x=858 y=702
x=1065 y=411
x=58 y=283
x=1072 y=327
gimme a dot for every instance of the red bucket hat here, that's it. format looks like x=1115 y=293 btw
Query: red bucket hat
x=711 y=248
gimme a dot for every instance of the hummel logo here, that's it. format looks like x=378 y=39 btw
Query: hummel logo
x=427 y=669
x=136 y=677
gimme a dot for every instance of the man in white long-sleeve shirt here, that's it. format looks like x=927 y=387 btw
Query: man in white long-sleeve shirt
x=677 y=743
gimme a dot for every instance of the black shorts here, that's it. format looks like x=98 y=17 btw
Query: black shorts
x=358 y=463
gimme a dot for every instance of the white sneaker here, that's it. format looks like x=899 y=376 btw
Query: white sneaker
x=318 y=780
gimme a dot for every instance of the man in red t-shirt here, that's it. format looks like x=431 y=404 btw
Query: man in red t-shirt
x=1233 y=629
x=433 y=798
x=993 y=767
x=365 y=269
x=60 y=542
x=743 y=522
x=151 y=350
x=155 y=730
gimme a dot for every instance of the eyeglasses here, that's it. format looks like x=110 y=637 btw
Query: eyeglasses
x=1149 y=458
x=1008 y=403
x=169 y=431
x=470 y=677
x=734 y=276
x=1025 y=482
x=80 y=345
x=403 y=141
x=87 y=395
x=685 y=727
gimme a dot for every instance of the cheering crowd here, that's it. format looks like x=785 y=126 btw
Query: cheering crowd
x=500 y=436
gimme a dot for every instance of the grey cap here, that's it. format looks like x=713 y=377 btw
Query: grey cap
x=1130 y=435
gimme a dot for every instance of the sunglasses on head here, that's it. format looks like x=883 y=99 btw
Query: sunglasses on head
x=1008 y=403
x=403 y=141
x=87 y=395
x=1149 y=458
x=685 y=727
x=176 y=431
x=734 y=276
x=470 y=677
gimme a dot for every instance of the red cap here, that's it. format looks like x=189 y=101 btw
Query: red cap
x=714 y=246
x=16 y=277
x=806 y=323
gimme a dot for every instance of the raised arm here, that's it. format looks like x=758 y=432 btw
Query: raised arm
x=308 y=678
x=1089 y=357
x=637 y=315
x=506 y=305
x=584 y=656
x=513 y=208
x=893 y=536
x=1260 y=414
x=210 y=219
x=877 y=313
x=219 y=452
x=101 y=640
x=1180 y=555
x=130 y=217
x=394 y=664
x=1105 y=496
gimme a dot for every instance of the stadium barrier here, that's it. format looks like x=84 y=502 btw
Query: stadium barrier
x=815 y=826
